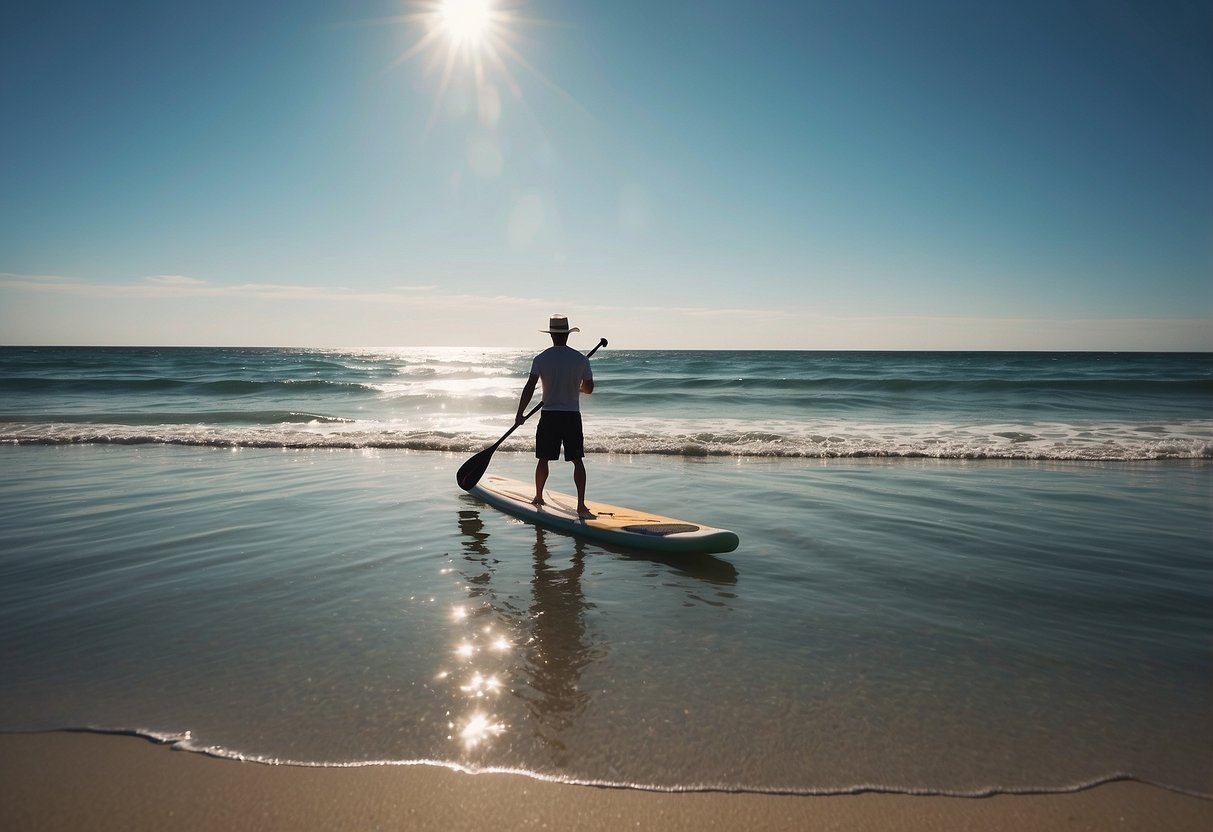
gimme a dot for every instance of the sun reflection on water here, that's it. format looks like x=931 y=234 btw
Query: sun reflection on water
x=478 y=672
x=510 y=657
x=480 y=685
x=478 y=728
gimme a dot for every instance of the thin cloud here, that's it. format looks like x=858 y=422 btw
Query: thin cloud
x=174 y=280
x=182 y=286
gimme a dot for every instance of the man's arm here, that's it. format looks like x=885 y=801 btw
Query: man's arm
x=587 y=380
x=525 y=399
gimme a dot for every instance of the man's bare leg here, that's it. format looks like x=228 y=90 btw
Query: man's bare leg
x=541 y=479
x=579 y=480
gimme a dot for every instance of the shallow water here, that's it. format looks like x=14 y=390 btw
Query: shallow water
x=900 y=624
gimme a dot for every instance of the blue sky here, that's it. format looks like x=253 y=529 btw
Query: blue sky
x=854 y=175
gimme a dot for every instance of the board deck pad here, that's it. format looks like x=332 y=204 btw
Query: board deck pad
x=620 y=526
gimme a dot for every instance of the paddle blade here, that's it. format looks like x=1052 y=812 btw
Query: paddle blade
x=470 y=472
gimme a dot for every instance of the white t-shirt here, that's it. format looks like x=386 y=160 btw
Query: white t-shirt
x=561 y=369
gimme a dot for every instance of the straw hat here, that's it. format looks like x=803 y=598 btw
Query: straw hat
x=559 y=325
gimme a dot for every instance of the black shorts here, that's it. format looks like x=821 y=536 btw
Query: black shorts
x=557 y=427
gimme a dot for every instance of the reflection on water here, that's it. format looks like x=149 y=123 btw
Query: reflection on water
x=480 y=653
x=558 y=649
x=474 y=536
x=535 y=651
x=516 y=663
x=707 y=568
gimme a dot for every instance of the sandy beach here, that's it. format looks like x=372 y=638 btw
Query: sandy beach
x=71 y=781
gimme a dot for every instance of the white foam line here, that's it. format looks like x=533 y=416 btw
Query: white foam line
x=184 y=741
x=1114 y=443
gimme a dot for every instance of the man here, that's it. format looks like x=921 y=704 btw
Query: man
x=565 y=374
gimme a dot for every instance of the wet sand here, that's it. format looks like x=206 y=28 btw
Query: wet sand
x=70 y=781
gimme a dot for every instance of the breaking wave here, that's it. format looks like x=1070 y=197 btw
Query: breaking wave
x=1108 y=442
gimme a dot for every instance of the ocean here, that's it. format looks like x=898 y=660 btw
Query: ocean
x=959 y=573
x=1049 y=406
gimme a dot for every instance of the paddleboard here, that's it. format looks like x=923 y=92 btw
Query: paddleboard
x=627 y=527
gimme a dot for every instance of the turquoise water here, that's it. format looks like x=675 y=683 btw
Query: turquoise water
x=913 y=623
x=1097 y=406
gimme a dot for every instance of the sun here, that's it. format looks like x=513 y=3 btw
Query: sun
x=472 y=44
x=466 y=23
x=464 y=31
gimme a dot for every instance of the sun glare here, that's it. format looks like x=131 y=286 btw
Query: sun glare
x=471 y=44
x=466 y=22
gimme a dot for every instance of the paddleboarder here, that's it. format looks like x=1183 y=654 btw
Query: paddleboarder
x=565 y=374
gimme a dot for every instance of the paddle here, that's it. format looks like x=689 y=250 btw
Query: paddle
x=470 y=472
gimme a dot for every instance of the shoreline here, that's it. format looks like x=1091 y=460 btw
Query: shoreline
x=75 y=780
